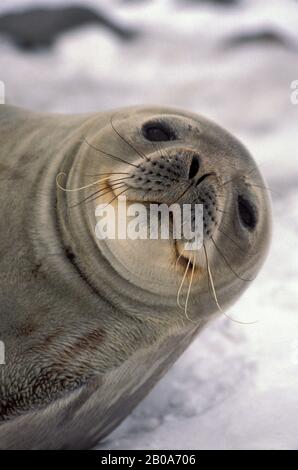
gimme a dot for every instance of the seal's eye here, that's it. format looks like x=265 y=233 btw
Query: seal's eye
x=247 y=213
x=157 y=132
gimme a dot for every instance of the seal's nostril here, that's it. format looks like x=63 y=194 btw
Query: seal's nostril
x=194 y=167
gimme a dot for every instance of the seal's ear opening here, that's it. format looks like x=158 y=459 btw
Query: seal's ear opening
x=247 y=213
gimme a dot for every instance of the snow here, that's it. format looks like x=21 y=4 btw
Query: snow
x=236 y=387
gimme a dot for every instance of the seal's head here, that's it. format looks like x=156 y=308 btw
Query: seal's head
x=166 y=156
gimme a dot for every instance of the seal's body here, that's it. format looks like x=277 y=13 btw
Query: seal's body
x=89 y=325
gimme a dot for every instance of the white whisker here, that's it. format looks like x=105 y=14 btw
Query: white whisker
x=189 y=289
x=181 y=285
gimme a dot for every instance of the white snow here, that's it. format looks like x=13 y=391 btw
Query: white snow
x=236 y=387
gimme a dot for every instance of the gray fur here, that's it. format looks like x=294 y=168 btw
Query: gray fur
x=85 y=337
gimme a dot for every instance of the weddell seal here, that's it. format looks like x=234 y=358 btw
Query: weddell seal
x=90 y=325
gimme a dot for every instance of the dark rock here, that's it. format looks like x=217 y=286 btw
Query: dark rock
x=260 y=37
x=40 y=27
x=217 y=2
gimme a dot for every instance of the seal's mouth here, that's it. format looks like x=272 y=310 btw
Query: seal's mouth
x=186 y=261
x=183 y=260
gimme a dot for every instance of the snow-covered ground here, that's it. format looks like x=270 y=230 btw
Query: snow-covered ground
x=237 y=385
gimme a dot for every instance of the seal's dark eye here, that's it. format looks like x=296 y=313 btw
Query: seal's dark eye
x=247 y=213
x=157 y=132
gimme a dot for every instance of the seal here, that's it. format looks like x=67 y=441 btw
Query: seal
x=90 y=325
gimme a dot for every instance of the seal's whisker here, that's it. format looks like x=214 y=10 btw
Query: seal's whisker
x=115 y=180
x=115 y=197
x=181 y=284
x=81 y=187
x=228 y=264
x=227 y=182
x=264 y=187
x=107 y=173
x=87 y=185
x=215 y=295
x=234 y=178
x=222 y=211
x=102 y=191
x=158 y=149
x=212 y=285
x=126 y=141
x=178 y=258
x=232 y=240
x=108 y=154
x=147 y=192
x=206 y=259
x=237 y=176
x=161 y=150
x=189 y=289
x=211 y=279
x=88 y=198
x=252 y=185
x=184 y=192
x=99 y=192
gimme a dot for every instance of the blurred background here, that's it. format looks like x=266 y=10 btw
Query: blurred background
x=234 y=61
